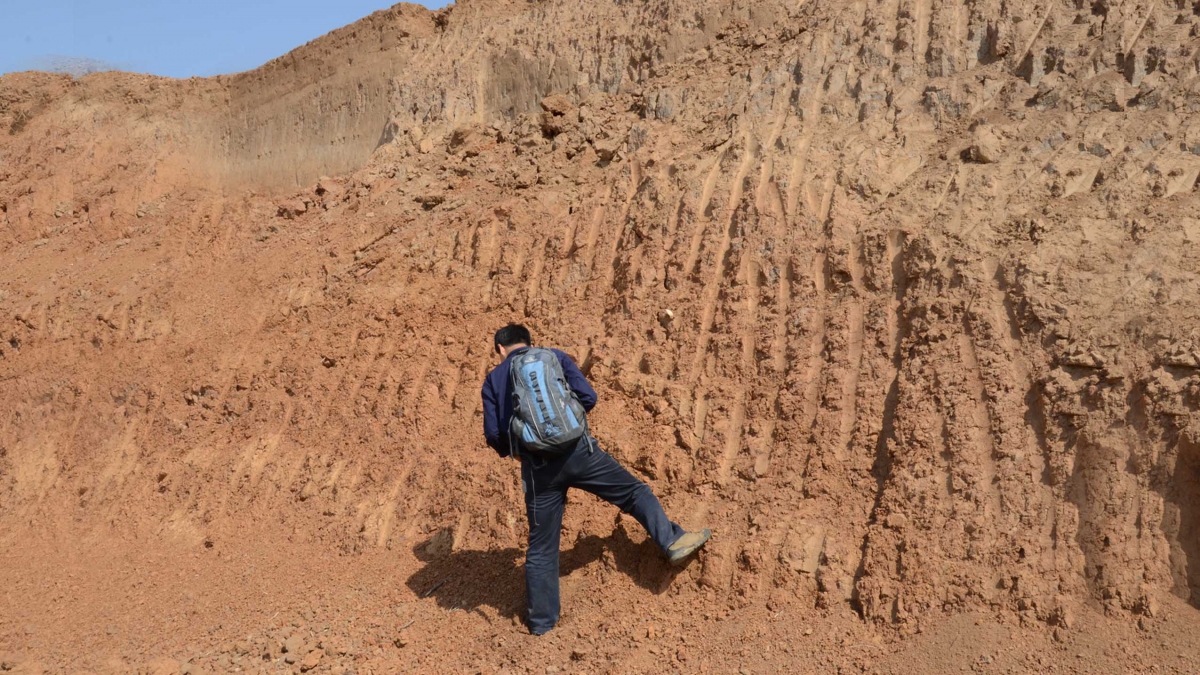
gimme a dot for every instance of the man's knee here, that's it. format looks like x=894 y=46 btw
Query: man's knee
x=633 y=496
x=542 y=550
x=541 y=559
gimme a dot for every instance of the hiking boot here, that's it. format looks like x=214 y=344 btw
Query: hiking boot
x=686 y=545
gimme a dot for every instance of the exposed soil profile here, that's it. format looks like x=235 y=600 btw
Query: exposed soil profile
x=900 y=298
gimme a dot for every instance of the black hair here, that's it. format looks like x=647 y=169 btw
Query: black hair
x=512 y=334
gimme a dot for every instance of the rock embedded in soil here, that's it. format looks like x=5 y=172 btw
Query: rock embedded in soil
x=311 y=660
x=293 y=644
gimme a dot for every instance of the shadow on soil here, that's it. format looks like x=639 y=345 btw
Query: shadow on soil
x=1182 y=523
x=471 y=580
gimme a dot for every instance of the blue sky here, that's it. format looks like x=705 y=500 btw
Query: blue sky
x=176 y=38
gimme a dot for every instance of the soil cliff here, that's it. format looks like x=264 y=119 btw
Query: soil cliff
x=900 y=297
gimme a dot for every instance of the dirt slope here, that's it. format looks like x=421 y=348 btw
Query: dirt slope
x=899 y=297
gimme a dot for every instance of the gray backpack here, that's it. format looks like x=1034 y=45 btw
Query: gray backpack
x=548 y=418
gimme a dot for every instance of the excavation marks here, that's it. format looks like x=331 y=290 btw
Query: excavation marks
x=718 y=277
x=487 y=255
x=257 y=455
x=699 y=414
x=747 y=334
x=778 y=360
x=895 y=249
x=854 y=342
x=733 y=437
x=704 y=216
x=899 y=286
x=980 y=426
x=622 y=225
x=1003 y=317
x=33 y=457
x=750 y=566
x=594 y=228
x=885 y=442
x=783 y=305
x=1107 y=511
x=670 y=240
x=252 y=339
x=924 y=18
x=380 y=403
x=122 y=462
x=796 y=181
x=380 y=351
x=1024 y=467
x=774 y=237
x=533 y=285
x=819 y=347
x=335 y=377
x=958 y=37
x=879 y=36
x=767 y=199
x=816 y=351
x=386 y=514
x=36 y=468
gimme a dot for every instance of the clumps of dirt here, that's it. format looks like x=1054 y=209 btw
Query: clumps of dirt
x=28 y=95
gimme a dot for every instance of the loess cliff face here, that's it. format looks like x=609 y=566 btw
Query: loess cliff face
x=901 y=298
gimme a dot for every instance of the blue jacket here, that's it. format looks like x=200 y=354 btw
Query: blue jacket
x=498 y=403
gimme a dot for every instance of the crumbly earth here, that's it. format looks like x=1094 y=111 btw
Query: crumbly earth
x=899 y=297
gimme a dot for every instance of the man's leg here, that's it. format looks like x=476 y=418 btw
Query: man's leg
x=598 y=473
x=544 y=508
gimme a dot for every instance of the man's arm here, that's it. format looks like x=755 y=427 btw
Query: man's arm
x=491 y=421
x=577 y=382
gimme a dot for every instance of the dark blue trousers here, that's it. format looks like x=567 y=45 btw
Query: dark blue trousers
x=546 y=482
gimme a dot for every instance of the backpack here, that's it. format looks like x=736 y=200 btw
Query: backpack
x=548 y=418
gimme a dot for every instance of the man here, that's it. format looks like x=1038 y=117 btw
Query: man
x=546 y=477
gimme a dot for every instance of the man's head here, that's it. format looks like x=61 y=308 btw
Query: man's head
x=513 y=336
